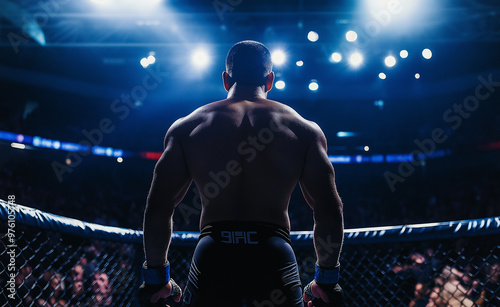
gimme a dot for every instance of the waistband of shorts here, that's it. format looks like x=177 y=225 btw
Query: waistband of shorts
x=244 y=232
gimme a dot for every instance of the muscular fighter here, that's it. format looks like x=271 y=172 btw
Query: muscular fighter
x=245 y=154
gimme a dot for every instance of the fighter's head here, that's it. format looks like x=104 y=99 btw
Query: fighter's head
x=249 y=63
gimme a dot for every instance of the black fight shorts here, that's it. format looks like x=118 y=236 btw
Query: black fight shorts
x=243 y=264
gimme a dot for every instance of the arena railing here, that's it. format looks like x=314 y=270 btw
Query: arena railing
x=49 y=260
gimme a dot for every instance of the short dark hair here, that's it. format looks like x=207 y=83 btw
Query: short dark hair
x=249 y=62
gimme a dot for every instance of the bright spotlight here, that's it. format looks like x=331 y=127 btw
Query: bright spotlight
x=101 y=1
x=119 y=159
x=200 y=58
x=17 y=145
x=280 y=84
x=313 y=85
x=151 y=59
x=382 y=76
x=144 y=62
x=427 y=53
x=351 y=36
x=299 y=63
x=336 y=57
x=278 y=57
x=403 y=54
x=312 y=36
x=366 y=148
x=417 y=76
x=390 y=61
x=355 y=59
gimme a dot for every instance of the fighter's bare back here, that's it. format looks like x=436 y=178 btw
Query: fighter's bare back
x=245 y=157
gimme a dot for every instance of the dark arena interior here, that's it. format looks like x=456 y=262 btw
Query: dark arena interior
x=407 y=93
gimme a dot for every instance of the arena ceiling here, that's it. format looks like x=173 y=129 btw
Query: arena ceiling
x=73 y=59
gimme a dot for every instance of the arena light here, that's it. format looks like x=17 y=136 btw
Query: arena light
x=278 y=57
x=200 y=58
x=351 y=36
x=336 y=57
x=417 y=76
x=151 y=59
x=144 y=62
x=382 y=76
x=427 y=53
x=299 y=63
x=403 y=54
x=390 y=61
x=128 y=5
x=313 y=85
x=280 y=84
x=101 y=2
x=312 y=36
x=355 y=59
x=366 y=148
x=379 y=103
x=119 y=159
x=17 y=145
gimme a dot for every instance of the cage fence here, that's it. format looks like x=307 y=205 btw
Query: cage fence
x=48 y=260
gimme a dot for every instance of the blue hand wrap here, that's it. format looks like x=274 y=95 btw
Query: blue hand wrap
x=324 y=276
x=156 y=276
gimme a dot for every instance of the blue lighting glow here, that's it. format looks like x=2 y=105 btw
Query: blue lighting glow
x=73 y=147
x=378 y=158
x=340 y=159
x=345 y=134
x=120 y=153
x=396 y=158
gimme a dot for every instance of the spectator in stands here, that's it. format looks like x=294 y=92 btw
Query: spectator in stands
x=74 y=285
x=24 y=282
x=76 y=273
x=101 y=290
x=75 y=293
x=490 y=294
x=53 y=290
x=450 y=291
x=421 y=296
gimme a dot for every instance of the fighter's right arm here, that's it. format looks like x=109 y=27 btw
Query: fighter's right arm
x=317 y=182
x=318 y=187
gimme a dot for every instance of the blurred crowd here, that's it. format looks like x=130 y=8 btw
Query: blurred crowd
x=435 y=278
x=118 y=199
x=99 y=274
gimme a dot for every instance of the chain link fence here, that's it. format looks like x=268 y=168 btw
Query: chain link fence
x=64 y=262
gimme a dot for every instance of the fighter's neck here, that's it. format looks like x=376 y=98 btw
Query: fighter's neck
x=247 y=92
